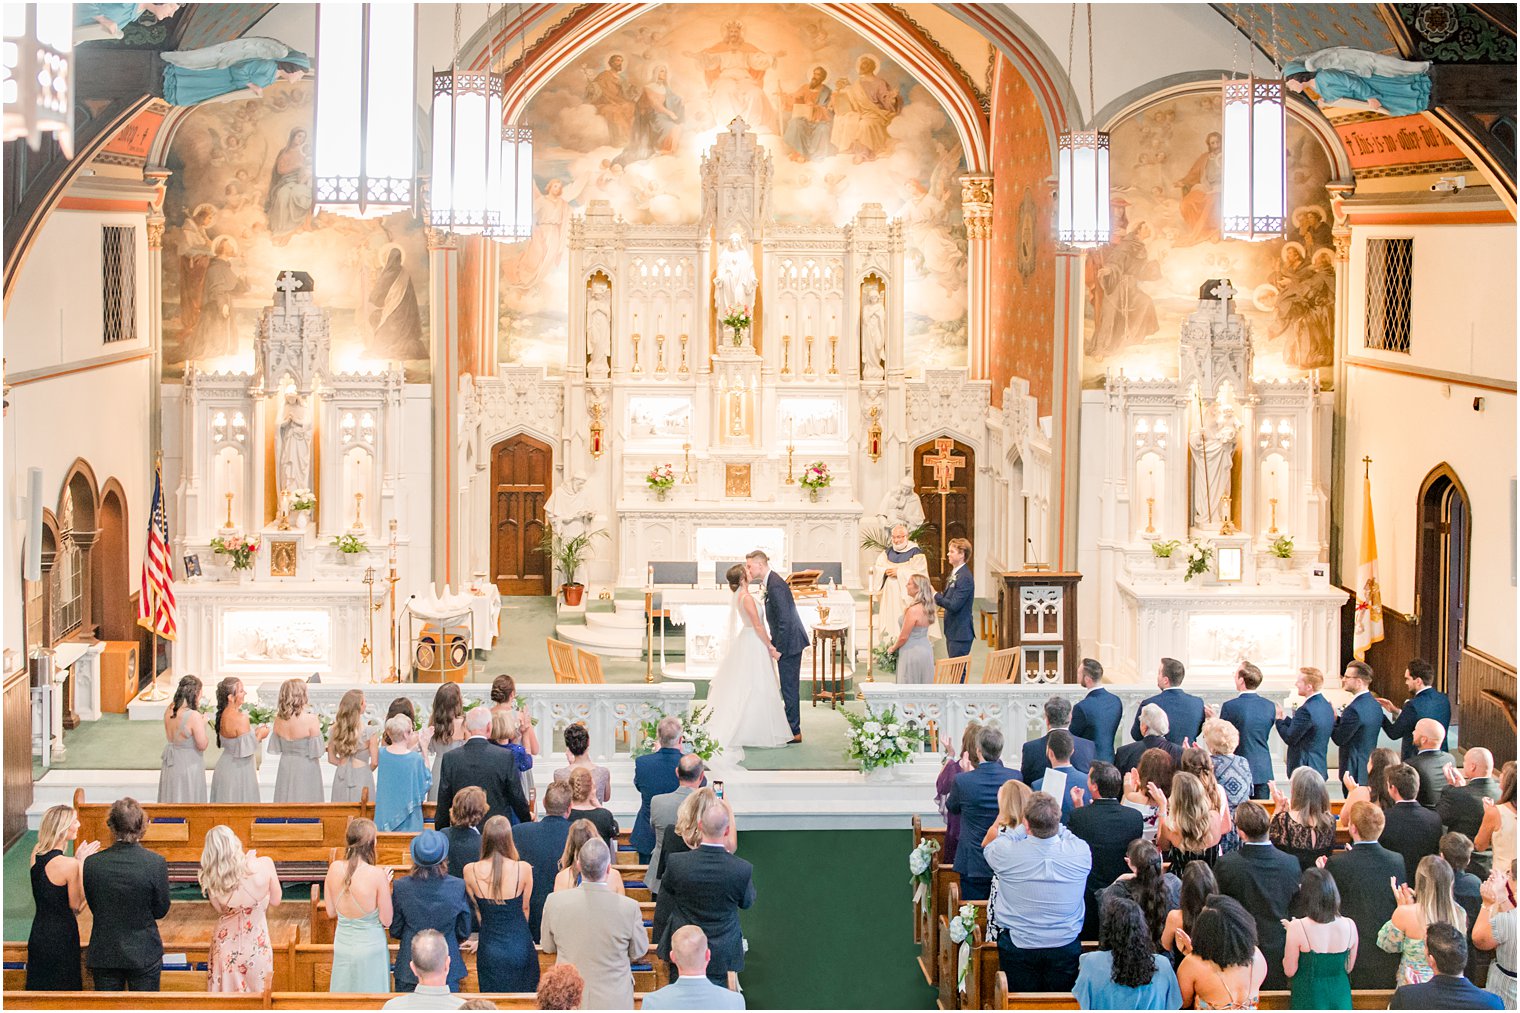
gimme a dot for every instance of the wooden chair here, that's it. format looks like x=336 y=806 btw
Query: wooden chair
x=951 y=671
x=562 y=661
x=1000 y=665
x=590 y=667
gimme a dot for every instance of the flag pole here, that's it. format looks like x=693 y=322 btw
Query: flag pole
x=157 y=692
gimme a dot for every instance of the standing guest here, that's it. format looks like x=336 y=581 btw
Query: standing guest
x=1320 y=947
x=953 y=767
x=1158 y=893
x=1059 y=744
x=1497 y=832
x=598 y=931
x=358 y=895
x=402 y=779
x=1495 y=930
x=1156 y=727
x=1429 y=902
x=1013 y=799
x=1374 y=785
x=577 y=742
x=568 y=874
x=540 y=843
x=1461 y=805
x=1126 y=972
x=1198 y=885
x=583 y=806
x=506 y=732
x=235 y=779
x=1156 y=768
x=52 y=946
x=664 y=809
x=1424 y=702
x=1307 y=732
x=298 y=739
x=692 y=989
x=431 y=966
x=504 y=701
x=479 y=763
x=1187 y=828
x=655 y=774
x=1359 y=724
x=1411 y=829
x=466 y=813
x=1057 y=717
x=1264 y=881
x=1097 y=715
x=500 y=887
x=1232 y=772
x=430 y=899
x=132 y=884
x=1431 y=761
x=1302 y=823
x=686 y=834
x=403 y=706
x=1467 y=891
x=561 y=987
x=445 y=730
x=240 y=886
x=182 y=776
x=958 y=599
x=1109 y=828
x=352 y=753
x=1038 y=904
x=1197 y=761
x=1184 y=711
x=1223 y=968
x=915 y=654
x=1253 y=716
x=974 y=798
x=1360 y=873
x=707 y=887
x=1445 y=988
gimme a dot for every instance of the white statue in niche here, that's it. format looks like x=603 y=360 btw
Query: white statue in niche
x=900 y=505
x=569 y=510
x=735 y=283
x=1213 y=453
x=873 y=332
x=295 y=444
x=598 y=327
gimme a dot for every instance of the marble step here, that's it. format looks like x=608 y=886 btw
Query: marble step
x=608 y=641
x=629 y=606
x=624 y=620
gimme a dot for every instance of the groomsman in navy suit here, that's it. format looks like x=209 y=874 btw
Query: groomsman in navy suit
x=958 y=600
x=1252 y=715
x=1307 y=732
x=1097 y=715
x=1423 y=702
x=1356 y=730
x=1184 y=710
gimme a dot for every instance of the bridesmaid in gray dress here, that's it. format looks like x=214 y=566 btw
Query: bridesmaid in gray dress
x=182 y=777
x=352 y=751
x=445 y=730
x=298 y=739
x=915 y=655
x=235 y=779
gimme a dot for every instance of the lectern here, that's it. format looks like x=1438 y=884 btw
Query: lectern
x=1037 y=615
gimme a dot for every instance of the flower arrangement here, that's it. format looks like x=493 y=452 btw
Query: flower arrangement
x=885 y=657
x=921 y=870
x=242 y=548
x=661 y=478
x=815 y=477
x=1199 y=556
x=258 y=714
x=303 y=499
x=881 y=739
x=738 y=321
x=1282 y=548
x=1164 y=550
x=693 y=729
x=963 y=934
x=349 y=544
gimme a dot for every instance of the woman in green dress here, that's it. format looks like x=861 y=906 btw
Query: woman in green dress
x=1321 y=946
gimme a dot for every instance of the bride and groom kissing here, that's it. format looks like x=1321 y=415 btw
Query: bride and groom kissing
x=753 y=696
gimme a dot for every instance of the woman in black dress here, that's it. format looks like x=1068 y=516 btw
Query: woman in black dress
x=52 y=949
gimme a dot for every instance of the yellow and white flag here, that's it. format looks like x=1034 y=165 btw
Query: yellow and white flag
x=1369 y=594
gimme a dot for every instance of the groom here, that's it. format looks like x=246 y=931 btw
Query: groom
x=788 y=637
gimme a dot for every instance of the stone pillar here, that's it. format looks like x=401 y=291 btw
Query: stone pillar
x=1340 y=232
x=1066 y=407
x=976 y=208
x=443 y=311
x=159 y=179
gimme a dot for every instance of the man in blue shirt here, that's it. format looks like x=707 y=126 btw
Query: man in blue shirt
x=1307 y=732
x=974 y=796
x=1252 y=715
x=958 y=600
x=1041 y=881
x=1423 y=702
x=655 y=774
x=1184 y=711
x=1097 y=715
x=692 y=989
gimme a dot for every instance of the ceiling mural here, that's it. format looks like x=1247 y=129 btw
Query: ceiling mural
x=1296 y=29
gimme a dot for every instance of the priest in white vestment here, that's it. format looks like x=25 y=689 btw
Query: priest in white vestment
x=894 y=565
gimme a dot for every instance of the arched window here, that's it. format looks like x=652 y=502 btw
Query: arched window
x=67 y=576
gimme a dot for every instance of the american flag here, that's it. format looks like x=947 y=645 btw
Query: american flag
x=155 y=606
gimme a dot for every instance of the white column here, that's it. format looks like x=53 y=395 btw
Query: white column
x=976 y=209
x=443 y=311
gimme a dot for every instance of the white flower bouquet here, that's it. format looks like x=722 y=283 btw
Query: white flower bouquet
x=963 y=934
x=882 y=739
x=921 y=870
x=1199 y=556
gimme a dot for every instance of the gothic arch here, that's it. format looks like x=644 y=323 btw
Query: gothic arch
x=110 y=572
x=80 y=480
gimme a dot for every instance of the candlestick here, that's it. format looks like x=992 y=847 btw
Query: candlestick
x=1150 y=515
x=807 y=365
x=786 y=355
x=686 y=464
x=659 y=354
x=684 y=370
x=1272 y=504
x=392 y=578
x=358 y=511
x=1227 y=526
x=789 y=479
x=229 y=526
x=833 y=355
x=637 y=341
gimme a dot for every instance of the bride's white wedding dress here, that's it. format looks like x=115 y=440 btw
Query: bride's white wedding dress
x=745 y=696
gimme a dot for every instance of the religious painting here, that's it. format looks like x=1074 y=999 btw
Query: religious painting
x=1167 y=168
x=657 y=418
x=629 y=119
x=811 y=419
x=282 y=557
x=239 y=211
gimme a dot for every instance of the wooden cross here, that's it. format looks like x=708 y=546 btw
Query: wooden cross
x=944 y=463
x=289 y=284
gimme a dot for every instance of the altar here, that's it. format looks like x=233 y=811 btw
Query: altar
x=704 y=612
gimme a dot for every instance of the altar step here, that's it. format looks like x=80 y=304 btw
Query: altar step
x=626 y=619
x=606 y=639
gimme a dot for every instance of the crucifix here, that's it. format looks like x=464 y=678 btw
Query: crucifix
x=289 y=284
x=945 y=464
x=1224 y=292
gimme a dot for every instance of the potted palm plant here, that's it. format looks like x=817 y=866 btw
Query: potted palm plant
x=569 y=555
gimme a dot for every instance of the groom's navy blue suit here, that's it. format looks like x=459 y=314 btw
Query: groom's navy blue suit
x=790 y=638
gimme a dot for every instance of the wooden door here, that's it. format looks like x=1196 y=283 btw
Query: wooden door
x=522 y=471
x=951 y=515
x=1441 y=575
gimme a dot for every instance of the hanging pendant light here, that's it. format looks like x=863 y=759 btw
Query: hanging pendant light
x=1082 y=203
x=467 y=147
x=37 y=54
x=514 y=198
x=1253 y=196
x=366 y=109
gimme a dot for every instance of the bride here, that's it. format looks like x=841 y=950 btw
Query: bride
x=745 y=696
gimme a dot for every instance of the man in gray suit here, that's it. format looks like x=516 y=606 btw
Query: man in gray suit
x=692 y=990
x=663 y=810
x=598 y=931
x=430 y=963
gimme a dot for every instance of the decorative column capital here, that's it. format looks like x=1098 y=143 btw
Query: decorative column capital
x=155 y=232
x=976 y=206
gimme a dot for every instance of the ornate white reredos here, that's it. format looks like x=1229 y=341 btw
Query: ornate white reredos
x=292 y=341
x=1215 y=347
x=518 y=399
x=944 y=400
x=736 y=178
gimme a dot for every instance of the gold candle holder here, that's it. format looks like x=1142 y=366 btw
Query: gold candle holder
x=789 y=479
x=686 y=464
x=229 y=526
x=786 y=355
x=684 y=369
x=1272 y=504
x=833 y=355
x=358 y=511
x=659 y=354
x=392 y=578
x=807 y=364
x=638 y=342
x=1226 y=526
x=1150 y=515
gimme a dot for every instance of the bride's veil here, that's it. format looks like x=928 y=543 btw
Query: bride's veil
x=734 y=627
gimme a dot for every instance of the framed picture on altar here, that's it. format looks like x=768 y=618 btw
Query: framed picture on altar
x=1229 y=563
x=192 y=566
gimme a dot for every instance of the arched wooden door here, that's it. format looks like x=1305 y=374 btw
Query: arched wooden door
x=109 y=569
x=522 y=472
x=1441 y=575
x=949 y=464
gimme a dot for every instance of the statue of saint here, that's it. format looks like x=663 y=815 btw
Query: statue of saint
x=1213 y=452
x=294 y=464
x=900 y=505
x=569 y=510
x=598 y=327
x=734 y=283
x=873 y=333
x=894 y=565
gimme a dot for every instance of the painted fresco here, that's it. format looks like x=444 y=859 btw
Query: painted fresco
x=1166 y=168
x=629 y=120
x=239 y=212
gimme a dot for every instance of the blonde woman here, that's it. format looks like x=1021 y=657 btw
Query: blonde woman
x=297 y=739
x=1429 y=902
x=500 y=886
x=401 y=779
x=1187 y=827
x=182 y=774
x=58 y=893
x=358 y=895
x=241 y=886
x=352 y=753
x=569 y=876
x=1012 y=797
x=1302 y=823
x=915 y=655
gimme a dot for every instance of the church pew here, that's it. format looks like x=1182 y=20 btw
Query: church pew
x=312 y=968
x=17 y=999
x=926 y=919
x=1002 y=999
x=392 y=847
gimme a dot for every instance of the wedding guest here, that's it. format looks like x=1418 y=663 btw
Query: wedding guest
x=1223 y=968
x=506 y=733
x=1158 y=893
x=1233 y=773
x=241 y=887
x=431 y=965
x=1306 y=731
x=445 y=730
x=687 y=832
x=352 y=753
x=466 y=813
x=1467 y=891
x=297 y=739
x=430 y=899
x=1187 y=828
x=1374 y=786
x=358 y=895
x=561 y=987
x=1497 y=832
x=182 y=775
x=1360 y=873
x=692 y=989
x=655 y=774
x=569 y=875
x=540 y=843
x=132 y=884
x=598 y=931
x=1155 y=768
x=1183 y=710
x=1358 y=725
x=1197 y=761
x=235 y=779
x=952 y=768
x=1264 y=880
x=1424 y=702
x=1198 y=885
x=401 y=780
x=1125 y=972
x=707 y=887
x=1013 y=798
x=479 y=763
x=1461 y=805
x=1109 y=828
x=1154 y=726
x=577 y=741
x=1302 y=823
x=1495 y=930
x=975 y=798
x=1446 y=988
x=1058 y=754
x=915 y=653
x=1037 y=901
x=1252 y=716
x=1320 y=945
x=664 y=809
x=500 y=887
x=1411 y=829
x=1057 y=718
x=583 y=806
x=504 y=701
x=1431 y=760
x=1097 y=715
x=52 y=946
x=1429 y=902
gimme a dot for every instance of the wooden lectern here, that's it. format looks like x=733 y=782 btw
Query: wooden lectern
x=1037 y=614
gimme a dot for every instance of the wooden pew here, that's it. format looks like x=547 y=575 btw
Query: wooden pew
x=926 y=920
x=312 y=969
x=17 y=999
x=393 y=848
x=1002 y=999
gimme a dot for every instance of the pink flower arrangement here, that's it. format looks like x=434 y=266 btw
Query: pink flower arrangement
x=240 y=547
x=661 y=477
x=816 y=476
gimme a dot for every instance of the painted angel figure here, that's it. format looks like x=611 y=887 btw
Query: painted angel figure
x=230 y=69
x=1387 y=85
x=108 y=21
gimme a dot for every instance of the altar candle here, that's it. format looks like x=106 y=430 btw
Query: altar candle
x=649 y=580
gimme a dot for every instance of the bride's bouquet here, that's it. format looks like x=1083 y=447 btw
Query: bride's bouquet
x=882 y=739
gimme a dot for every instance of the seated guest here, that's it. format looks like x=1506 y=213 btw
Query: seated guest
x=583 y=806
x=1013 y=799
x=401 y=780
x=430 y=969
x=1187 y=828
x=952 y=768
x=1411 y=829
x=561 y=987
x=1097 y=715
x=500 y=888
x=1037 y=901
x=1125 y=972
x=1358 y=725
x=1374 y=786
x=297 y=738
x=430 y=899
x=1461 y=805
x=1252 y=716
x=235 y=779
x=692 y=989
x=1306 y=732
x=1034 y=760
x=1156 y=767
x=444 y=731
x=597 y=930
x=1428 y=902
x=664 y=809
x=1232 y=773
x=182 y=776
x=974 y=797
x=1223 y=968
x=130 y=883
x=52 y=947
x=569 y=875
x=1431 y=760
x=1058 y=748
x=577 y=741
x=479 y=763
x=1197 y=761
x=1109 y=828
x=1198 y=885
x=1184 y=711
x=1495 y=930
x=1360 y=874
x=358 y=895
x=466 y=813
x=707 y=887
x=351 y=751
x=1445 y=988
x=1158 y=893
x=240 y=887
x=1302 y=823
x=655 y=774
x=1467 y=891
x=540 y=843
x=1320 y=945
x=1154 y=728
x=1264 y=881
x=504 y=701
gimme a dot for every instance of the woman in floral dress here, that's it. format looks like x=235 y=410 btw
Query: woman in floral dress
x=240 y=886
